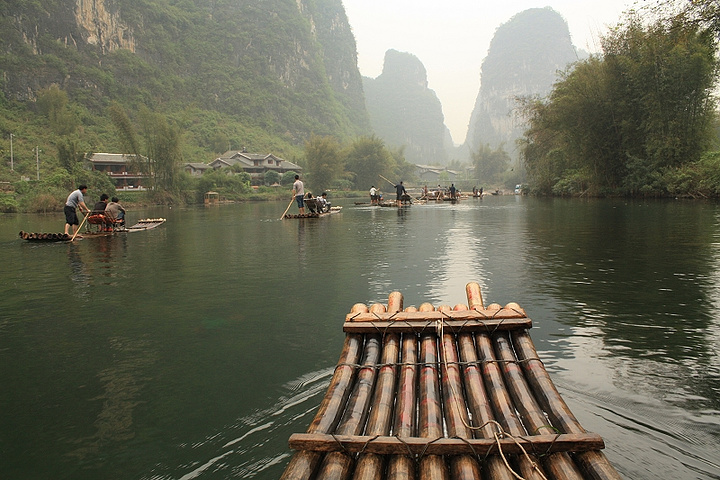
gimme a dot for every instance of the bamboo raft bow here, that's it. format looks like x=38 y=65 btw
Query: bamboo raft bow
x=443 y=393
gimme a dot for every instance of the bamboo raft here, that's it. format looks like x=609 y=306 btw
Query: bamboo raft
x=333 y=210
x=44 y=237
x=443 y=393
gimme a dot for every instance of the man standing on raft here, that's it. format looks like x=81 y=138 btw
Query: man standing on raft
x=298 y=192
x=75 y=200
x=400 y=190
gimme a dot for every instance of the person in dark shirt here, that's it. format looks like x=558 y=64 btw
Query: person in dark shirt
x=400 y=190
x=100 y=206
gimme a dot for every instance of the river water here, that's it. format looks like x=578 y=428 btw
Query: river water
x=194 y=350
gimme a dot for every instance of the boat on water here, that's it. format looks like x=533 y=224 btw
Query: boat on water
x=141 y=225
x=332 y=211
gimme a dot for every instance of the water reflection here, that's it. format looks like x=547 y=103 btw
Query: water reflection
x=196 y=349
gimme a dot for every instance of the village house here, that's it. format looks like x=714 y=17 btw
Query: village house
x=121 y=168
x=197 y=169
x=255 y=164
x=428 y=174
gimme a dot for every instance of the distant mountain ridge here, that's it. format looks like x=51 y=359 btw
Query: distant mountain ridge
x=524 y=58
x=404 y=112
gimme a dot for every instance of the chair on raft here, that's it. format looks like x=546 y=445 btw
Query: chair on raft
x=312 y=205
x=102 y=222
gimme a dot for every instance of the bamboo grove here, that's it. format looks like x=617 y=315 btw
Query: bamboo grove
x=638 y=119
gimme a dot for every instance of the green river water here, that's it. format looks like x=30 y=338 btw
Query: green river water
x=194 y=350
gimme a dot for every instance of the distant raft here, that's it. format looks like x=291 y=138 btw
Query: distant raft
x=333 y=210
x=443 y=393
x=44 y=237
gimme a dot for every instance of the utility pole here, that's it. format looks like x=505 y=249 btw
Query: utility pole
x=37 y=160
x=12 y=164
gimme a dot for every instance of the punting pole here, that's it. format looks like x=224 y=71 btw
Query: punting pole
x=304 y=463
x=402 y=467
x=456 y=416
x=338 y=465
x=498 y=396
x=80 y=226
x=432 y=467
x=288 y=208
x=369 y=466
x=594 y=463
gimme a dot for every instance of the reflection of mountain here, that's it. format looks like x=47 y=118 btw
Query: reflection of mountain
x=405 y=112
x=524 y=57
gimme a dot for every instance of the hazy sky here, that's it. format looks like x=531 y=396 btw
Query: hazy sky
x=451 y=39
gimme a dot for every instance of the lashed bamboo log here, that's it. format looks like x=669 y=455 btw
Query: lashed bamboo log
x=432 y=467
x=559 y=465
x=456 y=414
x=477 y=399
x=386 y=445
x=304 y=463
x=369 y=466
x=595 y=463
x=338 y=465
x=497 y=392
x=402 y=466
x=479 y=314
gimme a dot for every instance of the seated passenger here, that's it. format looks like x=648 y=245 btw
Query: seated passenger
x=100 y=206
x=323 y=204
x=115 y=211
x=311 y=203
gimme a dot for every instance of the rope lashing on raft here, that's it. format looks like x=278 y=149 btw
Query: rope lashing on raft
x=498 y=434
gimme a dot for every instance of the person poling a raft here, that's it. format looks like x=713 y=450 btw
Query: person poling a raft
x=399 y=190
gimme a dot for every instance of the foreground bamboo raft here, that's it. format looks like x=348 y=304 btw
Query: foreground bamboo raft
x=443 y=393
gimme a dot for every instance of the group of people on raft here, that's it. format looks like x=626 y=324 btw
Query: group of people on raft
x=107 y=213
x=318 y=204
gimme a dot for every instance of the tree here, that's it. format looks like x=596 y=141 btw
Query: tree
x=271 y=177
x=53 y=103
x=490 y=164
x=162 y=143
x=366 y=160
x=324 y=161
x=613 y=124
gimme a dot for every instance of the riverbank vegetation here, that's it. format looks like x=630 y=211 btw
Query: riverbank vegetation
x=638 y=120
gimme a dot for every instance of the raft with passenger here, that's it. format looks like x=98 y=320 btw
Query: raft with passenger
x=98 y=228
x=443 y=393
x=316 y=214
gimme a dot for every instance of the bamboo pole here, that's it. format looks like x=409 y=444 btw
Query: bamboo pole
x=304 y=463
x=338 y=465
x=456 y=416
x=559 y=465
x=402 y=467
x=79 y=227
x=479 y=403
x=370 y=466
x=595 y=464
x=288 y=208
x=498 y=395
x=432 y=467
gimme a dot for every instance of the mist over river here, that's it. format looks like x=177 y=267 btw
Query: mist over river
x=196 y=349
